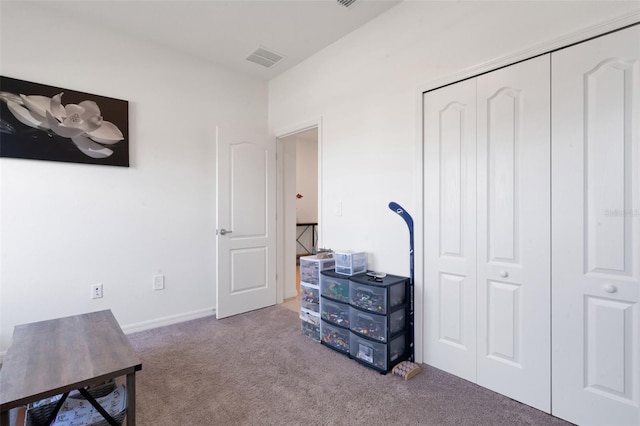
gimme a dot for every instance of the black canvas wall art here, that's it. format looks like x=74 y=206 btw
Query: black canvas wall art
x=43 y=122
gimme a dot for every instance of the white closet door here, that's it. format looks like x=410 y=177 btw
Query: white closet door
x=514 y=271
x=450 y=228
x=596 y=230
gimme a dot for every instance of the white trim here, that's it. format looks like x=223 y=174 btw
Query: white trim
x=320 y=229
x=280 y=284
x=169 y=320
x=279 y=135
x=528 y=53
x=418 y=265
x=551 y=45
x=301 y=127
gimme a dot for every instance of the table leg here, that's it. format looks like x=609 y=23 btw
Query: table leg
x=131 y=399
x=4 y=418
x=97 y=406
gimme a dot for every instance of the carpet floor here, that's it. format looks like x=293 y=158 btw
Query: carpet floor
x=258 y=369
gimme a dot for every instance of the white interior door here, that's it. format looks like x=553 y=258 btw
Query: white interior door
x=245 y=222
x=450 y=228
x=513 y=231
x=596 y=230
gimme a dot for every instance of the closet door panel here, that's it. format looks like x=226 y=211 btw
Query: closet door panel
x=450 y=243
x=513 y=199
x=596 y=230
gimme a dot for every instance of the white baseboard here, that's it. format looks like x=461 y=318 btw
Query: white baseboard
x=290 y=294
x=164 y=321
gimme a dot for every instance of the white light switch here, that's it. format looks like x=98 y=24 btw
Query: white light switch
x=158 y=282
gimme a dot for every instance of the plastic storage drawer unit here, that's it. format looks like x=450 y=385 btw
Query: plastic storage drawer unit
x=377 y=327
x=309 y=297
x=379 y=295
x=350 y=263
x=334 y=286
x=334 y=312
x=335 y=337
x=310 y=324
x=311 y=266
x=381 y=356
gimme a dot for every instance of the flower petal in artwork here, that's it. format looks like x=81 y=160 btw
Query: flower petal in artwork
x=37 y=105
x=107 y=134
x=90 y=107
x=90 y=148
x=8 y=96
x=24 y=115
x=56 y=108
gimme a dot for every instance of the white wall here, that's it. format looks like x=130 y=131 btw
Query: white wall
x=364 y=87
x=64 y=227
x=307 y=176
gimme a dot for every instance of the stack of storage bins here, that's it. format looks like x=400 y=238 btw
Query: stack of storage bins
x=378 y=320
x=334 y=310
x=310 y=269
x=334 y=300
x=361 y=316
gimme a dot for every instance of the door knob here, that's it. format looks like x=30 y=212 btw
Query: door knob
x=224 y=232
x=610 y=288
x=504 y=274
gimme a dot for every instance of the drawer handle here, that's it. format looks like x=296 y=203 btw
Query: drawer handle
x=610 y=288
x=504 y=274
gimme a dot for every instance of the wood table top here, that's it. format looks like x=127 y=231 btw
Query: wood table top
x=52 y=357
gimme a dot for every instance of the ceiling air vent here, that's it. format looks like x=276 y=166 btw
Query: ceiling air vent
x=346 y=3
x=264 y=57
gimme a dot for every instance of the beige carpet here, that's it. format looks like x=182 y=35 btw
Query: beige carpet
x=257 y=369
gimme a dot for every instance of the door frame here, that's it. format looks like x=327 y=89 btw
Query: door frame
x=280 y=134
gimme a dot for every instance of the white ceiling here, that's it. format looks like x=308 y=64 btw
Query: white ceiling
x=226 y=32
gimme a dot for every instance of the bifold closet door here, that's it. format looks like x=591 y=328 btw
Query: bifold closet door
x=450 y=228
x=513 y=229
x=596 y=230
x=487 y=230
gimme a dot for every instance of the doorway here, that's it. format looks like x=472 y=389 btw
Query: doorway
x=298 y=206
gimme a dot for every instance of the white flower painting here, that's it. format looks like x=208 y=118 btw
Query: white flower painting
x=66 y=126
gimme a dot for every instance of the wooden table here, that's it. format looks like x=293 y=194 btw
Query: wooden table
x=57 y=356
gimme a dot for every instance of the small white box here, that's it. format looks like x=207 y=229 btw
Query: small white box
x=350 y=263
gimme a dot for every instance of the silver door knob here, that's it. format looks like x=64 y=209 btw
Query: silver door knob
x=224 y=232
x=610 y=288
x=504 y=274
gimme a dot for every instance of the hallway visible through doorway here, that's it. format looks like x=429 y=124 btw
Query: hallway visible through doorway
x=293 y=303
x=299 y=204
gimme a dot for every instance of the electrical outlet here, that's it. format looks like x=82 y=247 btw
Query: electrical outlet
x=158 y=282
x=96 y=291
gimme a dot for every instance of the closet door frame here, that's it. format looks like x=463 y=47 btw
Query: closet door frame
x=630 y=20
x=587 y=33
